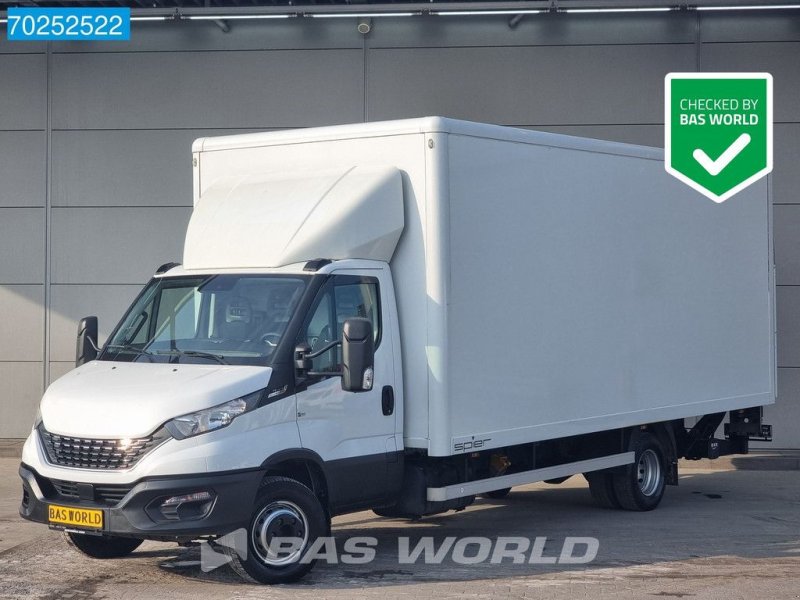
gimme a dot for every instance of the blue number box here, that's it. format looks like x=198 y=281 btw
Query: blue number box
x=65 y=24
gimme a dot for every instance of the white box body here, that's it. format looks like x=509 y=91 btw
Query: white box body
x=548 y=285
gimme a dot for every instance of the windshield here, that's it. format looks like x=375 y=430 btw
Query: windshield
x=227 y=319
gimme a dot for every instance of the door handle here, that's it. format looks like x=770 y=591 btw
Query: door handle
x=387 y=400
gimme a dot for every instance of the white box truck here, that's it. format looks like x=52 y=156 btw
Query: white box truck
x=400 y=316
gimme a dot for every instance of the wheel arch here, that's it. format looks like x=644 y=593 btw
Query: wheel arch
x=303 y=465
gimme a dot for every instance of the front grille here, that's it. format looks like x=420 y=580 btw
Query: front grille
x=85 y=453
x=111 y=494
x=103 y=494
x=66 y=489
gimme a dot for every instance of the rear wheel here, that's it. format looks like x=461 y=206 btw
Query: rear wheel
x=498 y=494
x=286 y=521
x=640 y=486
x=104 y=546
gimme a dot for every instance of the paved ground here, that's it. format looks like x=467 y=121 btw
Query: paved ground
x=721 y=534
x=13 y=529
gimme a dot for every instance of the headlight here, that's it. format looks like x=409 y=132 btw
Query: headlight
x=212 y=418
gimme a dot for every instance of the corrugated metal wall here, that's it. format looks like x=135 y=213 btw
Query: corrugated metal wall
x=95 y=175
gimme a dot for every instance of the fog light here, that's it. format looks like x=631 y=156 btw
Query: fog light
x=187 y=507
x=196 y=497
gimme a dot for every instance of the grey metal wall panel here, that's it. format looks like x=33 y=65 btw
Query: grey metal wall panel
x=19 y=397
x=70 y=303
x=122 y=168
x=763 y=27
x=115 y=245
x=786 y=225
x=292 y=34
x=784 y=415
x=533 y=30
x=204 y=89
x=7 y=47
x=580 y=85
x=22 y=245
x=59 y=369
x=125 y=168
x=23 y=101
x=644 y=135
x=22 y=327
x=788 y=313
x=776 y=58
x=785 y=174
x=22 y=178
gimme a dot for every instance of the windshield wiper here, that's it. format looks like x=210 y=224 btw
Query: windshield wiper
x=129 y=348
x=220 y=359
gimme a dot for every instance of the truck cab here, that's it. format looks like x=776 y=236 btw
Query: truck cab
x=204 y=371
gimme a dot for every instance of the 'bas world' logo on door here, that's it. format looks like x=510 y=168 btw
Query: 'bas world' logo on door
x=718 y=130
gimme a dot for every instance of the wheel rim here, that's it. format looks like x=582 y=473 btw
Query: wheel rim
x=649 y=473
x=281 y=520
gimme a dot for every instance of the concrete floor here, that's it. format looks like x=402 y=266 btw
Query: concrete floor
x=13 y=529
x=720 y=534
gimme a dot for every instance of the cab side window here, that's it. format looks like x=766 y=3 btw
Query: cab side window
x=357 y=300
x=320 y=333
x=336 y=303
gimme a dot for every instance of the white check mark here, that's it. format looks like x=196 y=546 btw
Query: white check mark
x=715 y=167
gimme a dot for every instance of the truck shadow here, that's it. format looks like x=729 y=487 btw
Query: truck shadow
x=710 y=514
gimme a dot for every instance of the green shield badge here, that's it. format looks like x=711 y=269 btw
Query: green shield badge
x=718 y=130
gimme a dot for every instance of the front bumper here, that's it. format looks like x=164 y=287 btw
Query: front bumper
x=133 y=510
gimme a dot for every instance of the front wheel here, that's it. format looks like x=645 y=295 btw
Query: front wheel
x=101 y=546
x=286 y=520
x=601 y=487
x=640 y=486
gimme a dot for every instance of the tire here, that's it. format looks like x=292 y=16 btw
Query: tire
x=497 y=494
x=101 y=546
x=640 y=486
x=286 y=508
x=601 y=487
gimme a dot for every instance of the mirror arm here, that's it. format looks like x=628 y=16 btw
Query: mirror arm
x=93 y=344
x=303 y=373
x=324 y=349
x=324 y=373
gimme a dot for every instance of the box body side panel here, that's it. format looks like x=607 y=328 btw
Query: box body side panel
x=591 y=291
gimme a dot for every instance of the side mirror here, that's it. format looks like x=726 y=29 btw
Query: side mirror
x=358 y=355
x=86 y=347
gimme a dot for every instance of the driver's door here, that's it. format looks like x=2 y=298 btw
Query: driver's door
x=353 y=432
